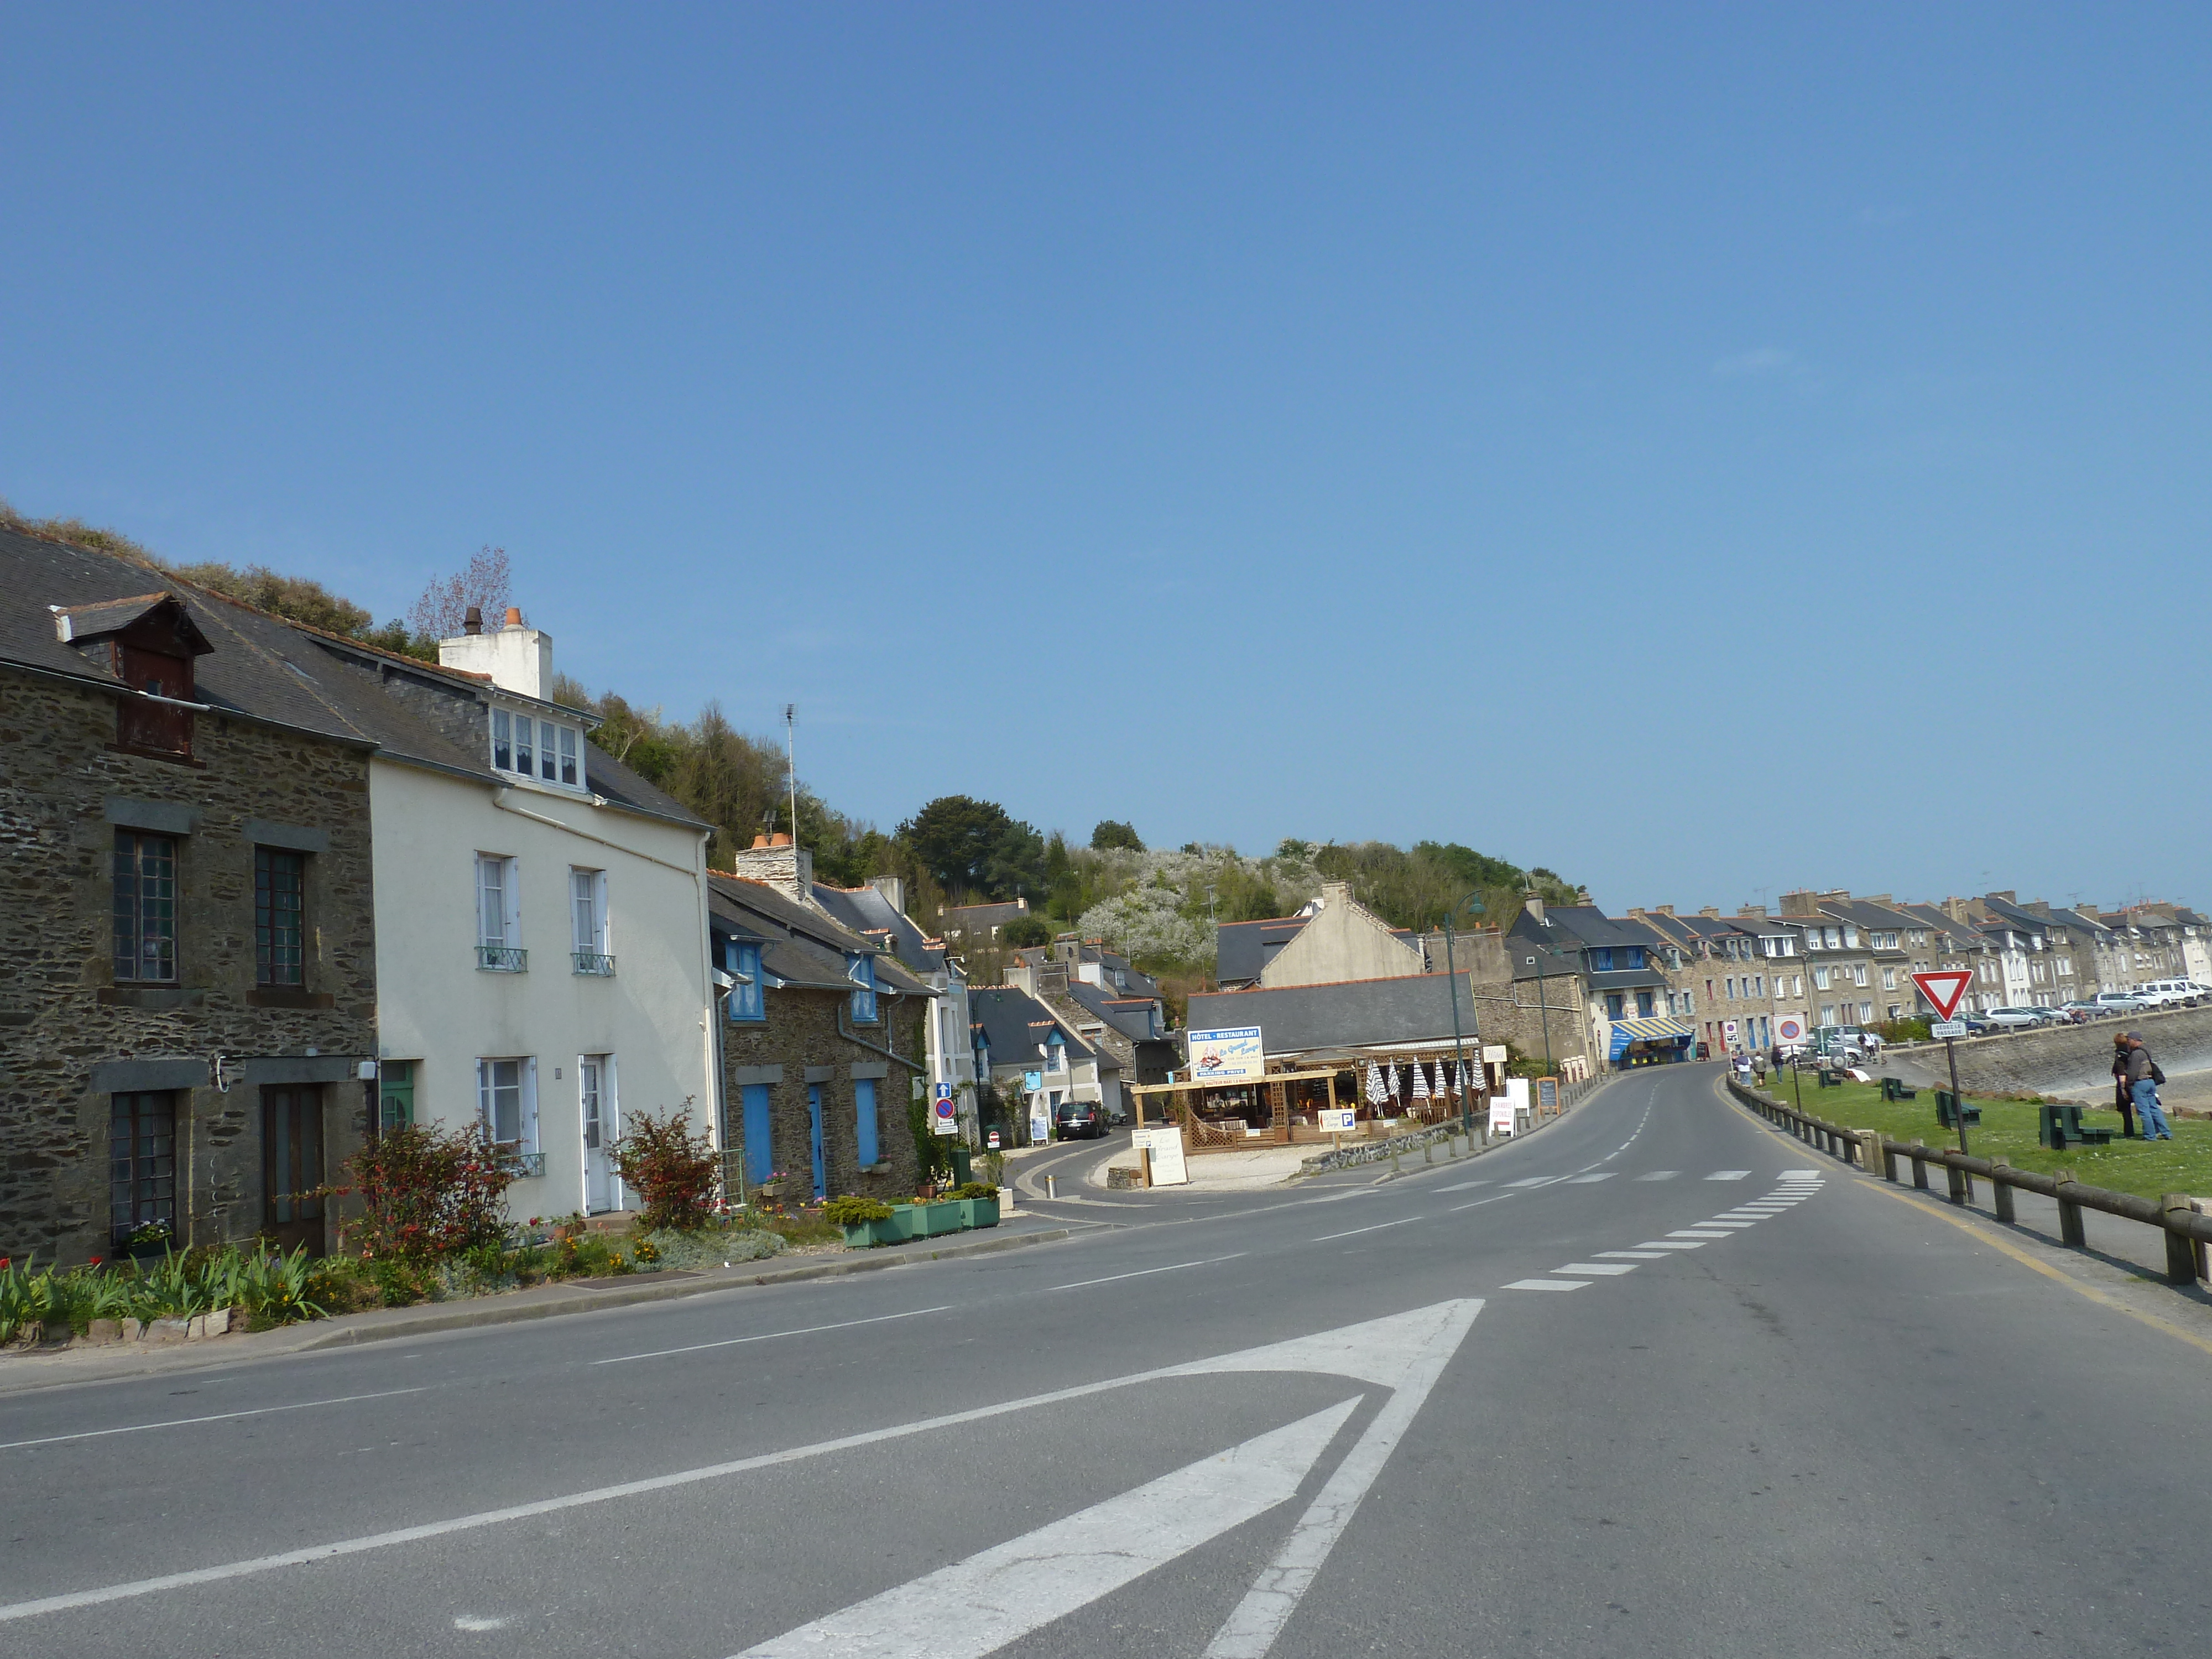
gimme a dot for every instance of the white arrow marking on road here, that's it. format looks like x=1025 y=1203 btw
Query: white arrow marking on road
x=977 y=1605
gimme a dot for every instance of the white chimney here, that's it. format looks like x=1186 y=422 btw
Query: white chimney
x=516 y=659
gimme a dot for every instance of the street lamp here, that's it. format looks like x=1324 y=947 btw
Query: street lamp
x=1473 y=905
x=1544 y=1009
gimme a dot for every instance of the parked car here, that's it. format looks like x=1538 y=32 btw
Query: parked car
x=2120 y=1002
x=1080 y=1120
x=2061 y=1017
x=2083 y=1010
x=2014 y=1020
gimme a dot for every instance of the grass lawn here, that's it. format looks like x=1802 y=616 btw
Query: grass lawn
x=2153 y=1169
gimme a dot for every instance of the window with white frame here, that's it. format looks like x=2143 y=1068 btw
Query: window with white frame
x=587 y=916
x=1858 y=973
x=1889 y=979
x=506 y=1101
x=1866 y=1012
x=532 y=748
x=499 y=914
x=2065 y=966
x=1820 y=983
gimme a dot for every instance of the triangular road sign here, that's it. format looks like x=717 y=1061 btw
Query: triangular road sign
x=1946 y=989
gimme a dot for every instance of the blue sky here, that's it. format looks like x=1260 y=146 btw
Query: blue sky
x=1703 y=450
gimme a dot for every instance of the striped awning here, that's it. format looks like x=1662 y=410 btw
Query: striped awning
x=1625 y=1031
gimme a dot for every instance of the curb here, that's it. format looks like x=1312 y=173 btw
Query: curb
x=449 y=1316
x=1535 y=1130
x=389 y=1324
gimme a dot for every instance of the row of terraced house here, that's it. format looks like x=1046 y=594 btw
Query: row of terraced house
x=270 y=892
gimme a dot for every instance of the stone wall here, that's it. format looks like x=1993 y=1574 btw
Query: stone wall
x=1511 y=1011
x=70 y=1037
x=2061 y=1058
x=799 y=1043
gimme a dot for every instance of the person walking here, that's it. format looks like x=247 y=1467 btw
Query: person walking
x=2143 y=1079
x=2122 y=1099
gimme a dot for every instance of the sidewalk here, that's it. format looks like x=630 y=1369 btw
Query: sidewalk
x=76 y=1363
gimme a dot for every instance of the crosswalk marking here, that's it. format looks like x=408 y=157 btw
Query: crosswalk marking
x=1731 y=1226
x=1694 y=1232
x=1728 y=1175
x=1671 y=1244
x=1799 y=1175
x=1610 y=1268
x=1549 y=1285
x=1463 y=1186
x=1533 y=1180
x=1636 y=1255
x=1660 y=1174
x=1588 y=1180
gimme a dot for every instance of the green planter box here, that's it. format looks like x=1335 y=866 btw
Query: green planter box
x=904 y=1224
x=943 y=1217
x=866 y=1234
x=980 y=1211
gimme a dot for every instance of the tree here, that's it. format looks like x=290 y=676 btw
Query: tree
x=975 y=846
x=484 y=582
x=1024 y=931
x=1111 y=833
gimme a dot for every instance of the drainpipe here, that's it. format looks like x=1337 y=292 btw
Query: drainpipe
x=852 y=1036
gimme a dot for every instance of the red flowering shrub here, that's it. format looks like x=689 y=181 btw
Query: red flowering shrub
x=675 y=1172
x=431 y=1192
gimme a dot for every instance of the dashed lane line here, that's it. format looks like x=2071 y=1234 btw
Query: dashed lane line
x=1355 y=1232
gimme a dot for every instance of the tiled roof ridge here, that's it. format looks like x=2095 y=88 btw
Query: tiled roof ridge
x=1383 y=979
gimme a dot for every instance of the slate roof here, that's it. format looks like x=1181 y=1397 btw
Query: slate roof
x=798 y=944
x=1243 y=948
x=973 y=918
x=1360 y=1013
x=1134 y=1018
x=866 y=912
x=262 y=667
x=1014 y=1024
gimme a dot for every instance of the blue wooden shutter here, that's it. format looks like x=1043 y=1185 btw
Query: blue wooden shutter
x=864 y=1112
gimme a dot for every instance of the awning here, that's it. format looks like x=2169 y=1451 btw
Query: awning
x=1625 y=1031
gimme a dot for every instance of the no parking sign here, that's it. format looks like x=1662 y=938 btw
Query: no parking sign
x=944 y=1112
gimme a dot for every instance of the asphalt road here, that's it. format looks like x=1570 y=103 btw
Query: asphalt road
x=1834 y=1424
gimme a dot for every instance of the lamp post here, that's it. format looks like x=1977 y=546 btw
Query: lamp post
x=1543 y=1008
x=1472 y=906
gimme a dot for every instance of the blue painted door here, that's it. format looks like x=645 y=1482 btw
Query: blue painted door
x=814 y=1134
x=759 y=1162
x=864 y=1112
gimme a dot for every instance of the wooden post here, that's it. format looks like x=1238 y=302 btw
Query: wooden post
x=2000 y=1189
x=1920 y=1164
x=2070 y=1229
x=1145 y=1164
x=1959 y=1190
x=2180 y=1249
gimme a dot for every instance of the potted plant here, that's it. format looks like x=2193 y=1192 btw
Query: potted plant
x=866 y=1221
x=979 y=1203
x=933 y=1216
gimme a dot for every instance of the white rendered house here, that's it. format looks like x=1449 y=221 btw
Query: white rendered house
x=541 y=922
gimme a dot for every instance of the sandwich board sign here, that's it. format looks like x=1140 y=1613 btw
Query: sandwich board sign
x=1945 y=989
x=1165 y=1143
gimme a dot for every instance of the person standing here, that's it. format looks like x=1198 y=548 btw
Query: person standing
x=2143 y=1079
x=2122 y=1099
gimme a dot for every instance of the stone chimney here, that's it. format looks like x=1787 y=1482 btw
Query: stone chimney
x=1531 y=902
x=1710 y=912
x=515 y=658
x=773 y=861
x=1759 y=910
x=892 y=889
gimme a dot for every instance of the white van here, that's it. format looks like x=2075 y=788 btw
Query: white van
x=2173 y=993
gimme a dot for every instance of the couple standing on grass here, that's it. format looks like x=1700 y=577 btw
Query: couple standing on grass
x=2136 y=1078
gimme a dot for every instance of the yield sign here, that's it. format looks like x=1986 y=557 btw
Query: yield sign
x=1946 y=989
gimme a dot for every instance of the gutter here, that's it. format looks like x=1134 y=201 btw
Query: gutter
x=498 y=798
x=851 y=1036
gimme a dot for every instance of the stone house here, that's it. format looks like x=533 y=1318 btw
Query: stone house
x=823 y=1034
x=1623 y=968
x=188 y=971
x=1937 y=942
x=1718 y=977
x=1110 y=1026
x=981 y=922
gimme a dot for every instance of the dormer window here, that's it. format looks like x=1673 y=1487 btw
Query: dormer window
x=148 y=644
x=529 y=747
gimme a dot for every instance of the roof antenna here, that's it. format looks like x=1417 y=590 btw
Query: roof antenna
x=790 y=764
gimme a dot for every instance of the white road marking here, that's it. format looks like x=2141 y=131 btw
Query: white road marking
x=1142 y=1273
x=478 y=1621
x=1377 y=1228
x=1547 y=1285
x=1588 y=1179
x=1728 y=1175
x=770 y=1336
x=1696 y=1232
x=1533 y=1180
x=1611 y=1269
x=1671 y=1244
x=1660 y=1174
x=1000 y=1595
x=215 y=1417
x=1251 y=1629
x=1729 y=1226
x=1799 y=1175
x=1388 y=1352
x=1463 y=1186
x=1635 y=1255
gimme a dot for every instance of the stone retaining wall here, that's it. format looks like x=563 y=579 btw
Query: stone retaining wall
x=2055 y=1058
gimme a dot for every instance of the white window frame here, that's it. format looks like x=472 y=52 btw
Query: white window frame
x=500 y=873
x=1820 y=983
x=525 y=1099
x=587 y=910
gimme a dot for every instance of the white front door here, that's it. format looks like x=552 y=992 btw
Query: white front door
x=602 y=1187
